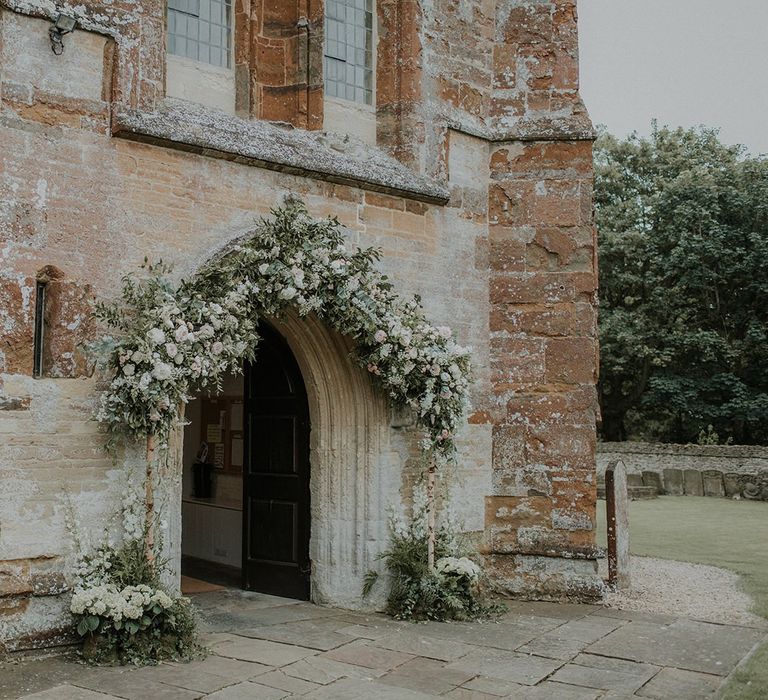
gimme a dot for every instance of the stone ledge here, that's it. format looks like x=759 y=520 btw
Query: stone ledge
x=329 y=157
x=653 y=448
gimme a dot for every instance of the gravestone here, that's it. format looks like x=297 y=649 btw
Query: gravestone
x=633 y=479
x=673 y=482
x=692 y=482
x=617 y=516
x=653 y=479
x=713 y=484
x=732 y=485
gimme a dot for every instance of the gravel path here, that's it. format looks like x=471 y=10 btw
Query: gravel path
x=685 y=590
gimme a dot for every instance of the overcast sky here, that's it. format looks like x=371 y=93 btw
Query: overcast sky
x=685 y=62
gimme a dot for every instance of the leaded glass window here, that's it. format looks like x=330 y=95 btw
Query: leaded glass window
x=349 y=50
x=201 y=30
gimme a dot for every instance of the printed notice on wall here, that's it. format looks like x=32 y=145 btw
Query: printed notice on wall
x=236 y=455
x=218 y=456
x=214 y=433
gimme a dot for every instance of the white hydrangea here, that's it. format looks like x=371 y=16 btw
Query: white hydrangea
x=116 y=604
x=156 y=336
x=162 y=371
x=458 y=566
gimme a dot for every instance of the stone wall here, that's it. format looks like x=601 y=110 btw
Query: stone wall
x=478 y=192
x=718 y=470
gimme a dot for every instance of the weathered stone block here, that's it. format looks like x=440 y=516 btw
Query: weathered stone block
x=732 y=485
x=14 y=579
x=673 y=482
x=713 y=484
x=653 y=479
x=692 y=482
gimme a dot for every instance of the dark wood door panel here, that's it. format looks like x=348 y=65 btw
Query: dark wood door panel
x=276 y=514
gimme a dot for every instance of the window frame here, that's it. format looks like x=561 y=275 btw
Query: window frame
x=372 y=68
x=228 y=51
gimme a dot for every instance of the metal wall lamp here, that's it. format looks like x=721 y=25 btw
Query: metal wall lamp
x=64 y=25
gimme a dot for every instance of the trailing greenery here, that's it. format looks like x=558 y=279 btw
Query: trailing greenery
x=175 y=339
x=452 y=590
x=683 y=238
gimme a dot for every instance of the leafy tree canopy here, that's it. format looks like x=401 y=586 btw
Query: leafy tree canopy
x=683 y=236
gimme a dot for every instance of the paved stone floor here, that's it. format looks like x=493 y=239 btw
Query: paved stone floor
x=268 y=648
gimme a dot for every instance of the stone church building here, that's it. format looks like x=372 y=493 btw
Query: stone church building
x=448 y=133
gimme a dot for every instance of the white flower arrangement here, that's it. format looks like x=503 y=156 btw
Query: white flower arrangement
x=176 y=339
x=117 y=605
x=458 y=566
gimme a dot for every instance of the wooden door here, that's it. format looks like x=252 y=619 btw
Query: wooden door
x=276 y=517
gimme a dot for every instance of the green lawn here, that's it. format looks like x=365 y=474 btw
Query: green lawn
x=717 y=531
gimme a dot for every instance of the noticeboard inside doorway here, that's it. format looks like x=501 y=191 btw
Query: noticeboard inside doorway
x=222 y=430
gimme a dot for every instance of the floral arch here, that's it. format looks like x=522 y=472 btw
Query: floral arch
x=174 y=340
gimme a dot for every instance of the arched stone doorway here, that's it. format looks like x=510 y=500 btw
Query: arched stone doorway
x=356 y=462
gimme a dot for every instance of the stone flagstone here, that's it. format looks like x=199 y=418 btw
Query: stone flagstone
x=686 y=644
x=134 y=685
x=363 y=653
x=519 y=668
x=315 y=634
x=248 y=691
x=427 y=676
x=557 y=691
x=290 y=684
x=68 y=692
x=680 y=685
x=319 y=669
x=262 y=651
x=356 y=689
x=413 y=642
x=605 y=673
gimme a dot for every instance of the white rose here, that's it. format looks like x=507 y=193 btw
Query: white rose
x=288 y=293
x=129 y=370
x=181 y=334
x=380 y=336
x=263 y=268
x=217 y=348
x=172 y=349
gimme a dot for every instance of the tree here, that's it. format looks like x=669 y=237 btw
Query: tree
x=683 y=240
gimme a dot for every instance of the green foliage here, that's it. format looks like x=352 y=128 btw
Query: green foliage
x=119 y=604
x=417 y=592
x=131 y=567
x=159 y=635
x=683 y=237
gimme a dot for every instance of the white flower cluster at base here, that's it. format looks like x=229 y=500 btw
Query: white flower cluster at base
x=119 y=604
x=458 y=566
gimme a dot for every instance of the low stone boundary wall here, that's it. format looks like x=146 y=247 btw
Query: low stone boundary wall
x=695 y=470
